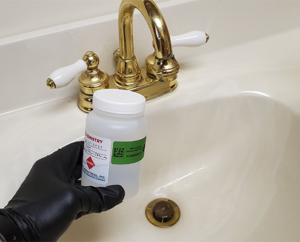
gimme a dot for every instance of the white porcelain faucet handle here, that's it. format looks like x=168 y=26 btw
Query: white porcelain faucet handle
x=63 y=76
x=190 y=39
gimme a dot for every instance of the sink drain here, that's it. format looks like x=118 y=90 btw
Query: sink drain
x=162 y=212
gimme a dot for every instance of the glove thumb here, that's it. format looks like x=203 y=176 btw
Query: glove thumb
x=98 y=199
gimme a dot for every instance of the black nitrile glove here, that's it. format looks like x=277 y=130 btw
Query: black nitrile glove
x=51 y=196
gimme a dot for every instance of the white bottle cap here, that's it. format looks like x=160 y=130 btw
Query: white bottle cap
x=119 y=101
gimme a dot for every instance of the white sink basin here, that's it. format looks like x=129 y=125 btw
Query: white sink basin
x=231 y=164
x=224 y=145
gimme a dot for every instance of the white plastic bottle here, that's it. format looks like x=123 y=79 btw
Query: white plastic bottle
x=114 y=142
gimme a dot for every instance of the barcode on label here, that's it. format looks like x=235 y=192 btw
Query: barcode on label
x=118 y=152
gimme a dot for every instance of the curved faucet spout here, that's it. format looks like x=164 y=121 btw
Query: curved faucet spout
x=154 y=18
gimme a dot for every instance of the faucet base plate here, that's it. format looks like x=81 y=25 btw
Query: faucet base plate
x=148 y=87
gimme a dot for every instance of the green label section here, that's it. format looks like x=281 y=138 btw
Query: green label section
x=124 y=153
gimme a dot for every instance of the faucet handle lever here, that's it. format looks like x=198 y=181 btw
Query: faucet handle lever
x=90 y=80
x=194 y=38
x=63 y=76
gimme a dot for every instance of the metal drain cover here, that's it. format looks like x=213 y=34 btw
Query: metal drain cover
x=162 y=212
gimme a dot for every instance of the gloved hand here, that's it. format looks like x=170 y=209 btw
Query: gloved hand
x=51 y=196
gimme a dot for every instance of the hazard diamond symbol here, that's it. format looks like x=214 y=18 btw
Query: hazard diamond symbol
x=90 y=162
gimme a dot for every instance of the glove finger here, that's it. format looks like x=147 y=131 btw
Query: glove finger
x=71 y=155
x=98 y=199
x=64 y=161
x=76 y=174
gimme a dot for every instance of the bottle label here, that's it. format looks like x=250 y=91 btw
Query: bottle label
x=96 y=158
x=98 y=151
x=128 y=152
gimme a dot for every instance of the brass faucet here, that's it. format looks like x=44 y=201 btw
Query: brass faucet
x=162 y=67
x=159 y=76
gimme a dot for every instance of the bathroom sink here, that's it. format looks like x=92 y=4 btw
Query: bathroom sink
x=232 y=166
x=225 y=148
x=224 y=145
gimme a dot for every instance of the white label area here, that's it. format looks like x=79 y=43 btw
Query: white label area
x=96 y=158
